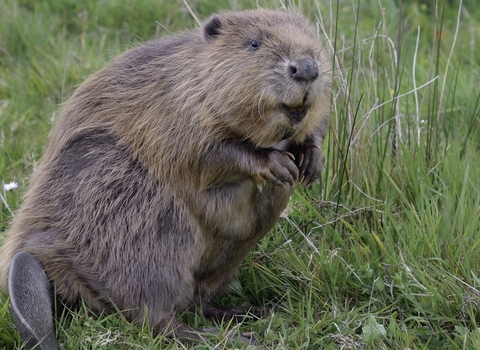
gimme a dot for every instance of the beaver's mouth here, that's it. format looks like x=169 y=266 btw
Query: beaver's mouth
x=295 y=113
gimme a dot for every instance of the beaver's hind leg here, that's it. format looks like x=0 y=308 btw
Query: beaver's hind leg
x=191 y=336
x=31 y=302
x=238 y=313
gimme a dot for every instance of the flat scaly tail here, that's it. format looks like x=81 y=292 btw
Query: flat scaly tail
x=31 y=302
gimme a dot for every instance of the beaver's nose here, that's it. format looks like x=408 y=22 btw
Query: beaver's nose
x=303 y=69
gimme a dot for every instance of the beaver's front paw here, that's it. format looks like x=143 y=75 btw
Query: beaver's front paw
x=280 y=169
x=310 y=163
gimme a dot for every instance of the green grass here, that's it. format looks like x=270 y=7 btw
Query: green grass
x=384 y=253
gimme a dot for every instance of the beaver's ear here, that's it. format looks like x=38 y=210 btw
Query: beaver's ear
x=212 y=28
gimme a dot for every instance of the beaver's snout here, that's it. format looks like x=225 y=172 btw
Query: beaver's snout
x=303 y=69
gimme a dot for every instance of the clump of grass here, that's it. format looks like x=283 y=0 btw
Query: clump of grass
x=383 y=253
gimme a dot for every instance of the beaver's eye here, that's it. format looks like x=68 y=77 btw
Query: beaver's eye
x=254 y=44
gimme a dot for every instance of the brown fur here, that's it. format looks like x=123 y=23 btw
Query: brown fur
x=168 y=165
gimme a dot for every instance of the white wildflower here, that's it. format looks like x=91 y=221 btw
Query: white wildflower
x=10 y=186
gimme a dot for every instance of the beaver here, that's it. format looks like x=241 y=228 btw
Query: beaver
x=165 y=168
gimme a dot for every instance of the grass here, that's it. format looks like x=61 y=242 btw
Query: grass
x=384 y=253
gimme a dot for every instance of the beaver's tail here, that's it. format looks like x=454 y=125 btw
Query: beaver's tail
x=31 y=302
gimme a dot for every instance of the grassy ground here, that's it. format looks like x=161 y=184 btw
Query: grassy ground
x=384 y=253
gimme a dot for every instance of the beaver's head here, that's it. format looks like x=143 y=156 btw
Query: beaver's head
x=270 y=75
